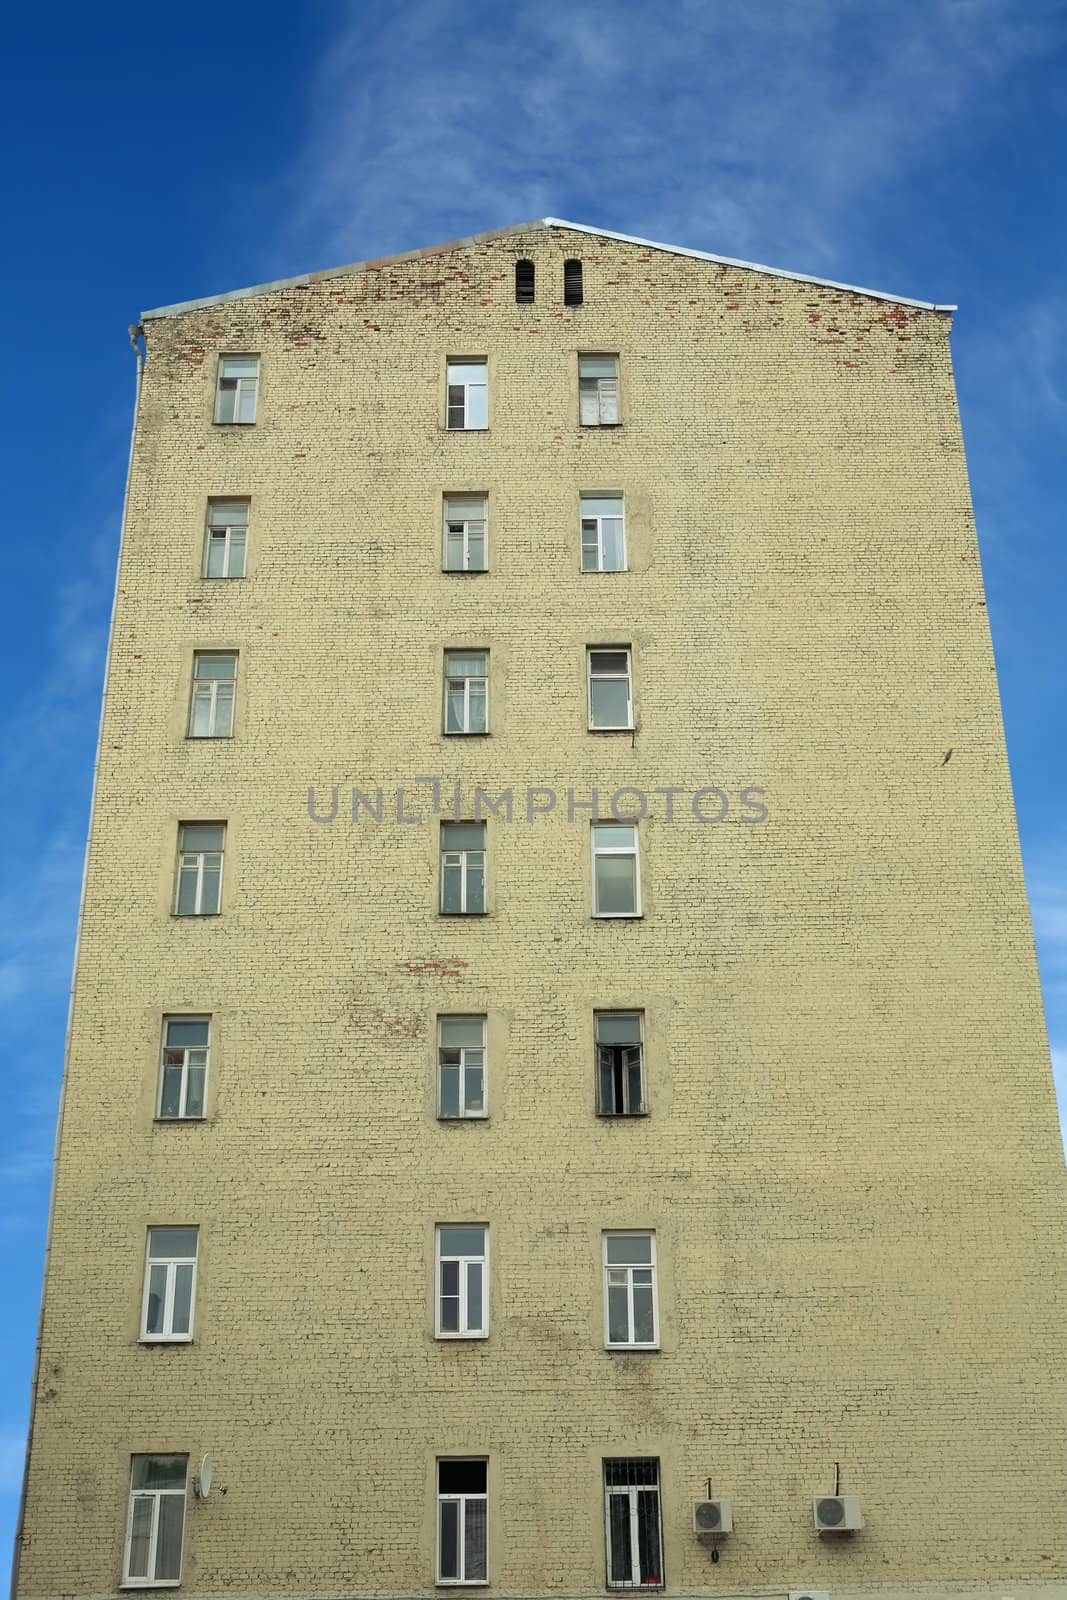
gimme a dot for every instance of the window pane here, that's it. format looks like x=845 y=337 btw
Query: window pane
x=620 y=1568
x=224 y=667
x=140 y=1536
x=618 y=1314
x=226 y=401
x=170 y=1095
x=608 y=836
x=610 y=701
x=194 y=1092
x=237 y=555
x=201 y=836
x=169 y=1536
x=648 y=1536
x=475 y=882
x=643 y=1320
x=628 y=1249
x=216 y=556
x=618 y=1027
x=477 y=707
x=477 y=406
x=187 y=1031
x=466 y=663
x=463 y=836
x=611 y=540
x=474 y=1295
x=157 y=1286
x=450 y=1091
x=474 y=1088
x=476 y=549
x=597 y=366
x=606 y=1076
x=454 y=551
x=461 y=1241
x=239 y=366
x=451 y=888
x=466 y=372
x=209 y=900
x=589 y=403
x=462 y=1477
x=634 y=1095
x=616 y=886
x=159 y=1472
x=228 y=513
x=462 y=1031
x=246 y=403
x=464 y=508
x=183 y=1299
x=449 y=1539
x=475 y=1542
x=169 y=1242
x=601 y=505
x=455 y=707
x=187 y=891
x=449 y=1313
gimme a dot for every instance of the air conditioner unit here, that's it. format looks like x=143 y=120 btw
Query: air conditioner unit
x=837 y=1513
x=713 y=1516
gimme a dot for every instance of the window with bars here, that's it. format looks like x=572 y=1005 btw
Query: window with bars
x=214 y=689
x=525 y=279
x=237 y=389
x=603 y=533
x=611 y=706
x=598 y=391
x=155 y=1522
x=616 y=874
x=461 y=1079
x=198 y=891
x=631 y=1313
x=169 y=1285
x=632 y=1524
x=183 y=1069
x=466 y=691
x=466 y=538
x=462 y=1520
x=467 y=380
x=619 y=1064
x=462 y=868
x=462 y=1287
x=226 y=539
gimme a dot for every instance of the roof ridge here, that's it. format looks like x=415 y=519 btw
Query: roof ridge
x=302 y=280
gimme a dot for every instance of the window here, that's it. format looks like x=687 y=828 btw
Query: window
x=461 y=1067
x=462 y=1297
x=169 y=1284
x=632 y=1524
x=466 y=691
x=183 y=1071
x=235 y=397
x=572 y=283
x=603 y=534
x=468 y=394
x=226 y=538
x=156 y=1521
x=598 y=390
x=630 y=1317
x=462 y=1521
x=524 y=282
x=610 y=693
x=199 y=888
x=462 y=867
x=616 y=880
x=466 y=542
x=619 y=1064
x=214 y=686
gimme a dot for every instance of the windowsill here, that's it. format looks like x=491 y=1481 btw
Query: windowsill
x=208 y=738
x=465 y=572
x=594 y=427
x=618 y=916
x=233 y=424
x=205 y=577
x=460 y=1338
x=632 y=1349
x=461 y=1583
x=193 y=916
x=634 y=1588
x=150 y=1583
x=481 y=1116
x=621 y=1116
x=156 y=1339
x=467 y=430
x=620 y=729
x=171 y=1122
x=473 y=734
x=602 y=572
x=461 y=914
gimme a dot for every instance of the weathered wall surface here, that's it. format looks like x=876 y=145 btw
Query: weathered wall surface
x=851 y=1157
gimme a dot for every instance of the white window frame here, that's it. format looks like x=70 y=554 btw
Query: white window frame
x=628 y=1269
x=156 y=1496
x=466 y=384
x=607 y=850
x=610 y=677
x=630 y=1492
x=598 y=518
x=466 y=679
x=245 y=383
x=599 y=393
x=170 y=1264
x=628 y=1110
x=206 y=693
x=218 y=508
x=460 y=1500
x=463 y=858
x=463 y=1115
x=464 y=1331
x=186 y=1049
x=194 y=860
x=466 y=525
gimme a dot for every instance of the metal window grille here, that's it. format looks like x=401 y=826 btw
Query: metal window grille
x=632 y=1524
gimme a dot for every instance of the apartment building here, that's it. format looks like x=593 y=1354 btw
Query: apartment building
x=557 y=1096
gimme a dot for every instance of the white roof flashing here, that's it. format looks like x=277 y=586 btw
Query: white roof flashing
x=304 y=279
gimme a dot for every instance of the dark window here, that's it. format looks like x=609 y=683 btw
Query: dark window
x=524 y=282
x=635 y=1551
x=572 y=283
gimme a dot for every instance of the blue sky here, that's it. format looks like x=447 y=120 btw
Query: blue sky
x=160 y=153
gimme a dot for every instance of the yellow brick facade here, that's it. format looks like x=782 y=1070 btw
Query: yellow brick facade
x=850 y=1160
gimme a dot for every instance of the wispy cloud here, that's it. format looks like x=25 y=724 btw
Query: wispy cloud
x=764 y=130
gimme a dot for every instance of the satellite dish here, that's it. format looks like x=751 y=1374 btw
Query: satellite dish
x=202 y=1483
